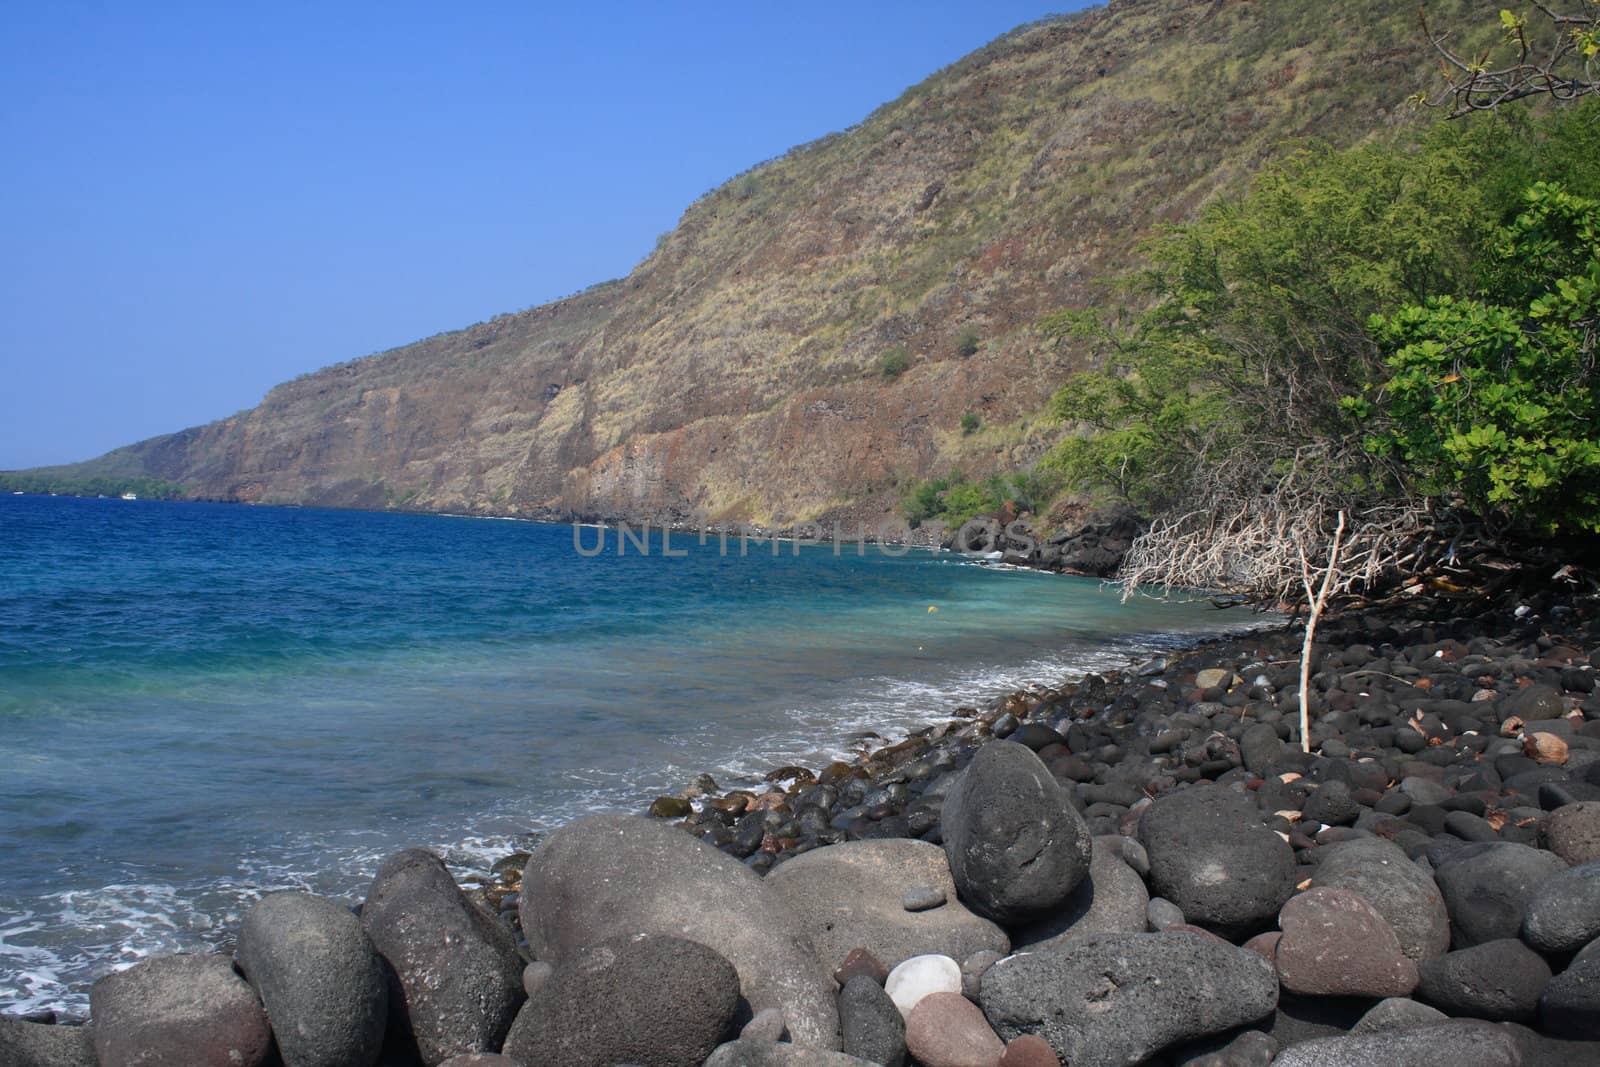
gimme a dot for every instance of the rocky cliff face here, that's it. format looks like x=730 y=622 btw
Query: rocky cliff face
x=736 y=372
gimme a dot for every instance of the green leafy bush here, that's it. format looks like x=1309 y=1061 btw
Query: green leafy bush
x=969 y=423
x=894 y=363
x=967 y=343
x=1497 y=396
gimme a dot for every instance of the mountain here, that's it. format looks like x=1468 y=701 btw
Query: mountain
x=747 y=368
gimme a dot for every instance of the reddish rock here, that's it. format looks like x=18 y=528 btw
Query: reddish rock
x=1264 y=945
x=860 y=961
x=1029 y=1051
x=179 y=1011
x=1334 y=943
x=948 y=1030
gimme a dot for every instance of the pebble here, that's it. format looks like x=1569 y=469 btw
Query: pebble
x=948 y=1030
x=919 y=977
x=922 y=898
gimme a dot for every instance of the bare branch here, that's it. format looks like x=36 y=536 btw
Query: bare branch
x=1561 y=64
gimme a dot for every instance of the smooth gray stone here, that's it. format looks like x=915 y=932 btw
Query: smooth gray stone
x=1564 y=913
x=1116 y=999
x=25 y=1044
x=611 y=875
x=179 y=1011
x=747 y=1053
x=1458 y=1043
x=851 y=896
x=319 y=977
x=1111 y=900
x=1498 y=980
x=1398 y=1013
x=644 y=998
x=1487 y=887
x=457 y=969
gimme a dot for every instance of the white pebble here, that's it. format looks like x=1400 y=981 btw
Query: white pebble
x=919 y=976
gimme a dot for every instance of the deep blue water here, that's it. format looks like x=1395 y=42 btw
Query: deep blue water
x=200 y=703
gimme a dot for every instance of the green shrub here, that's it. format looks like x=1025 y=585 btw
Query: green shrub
x=894 y=363
x=969 y=423
x=1497 y=396
x=967 y=343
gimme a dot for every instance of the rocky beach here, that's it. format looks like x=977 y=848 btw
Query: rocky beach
x=1142 y=866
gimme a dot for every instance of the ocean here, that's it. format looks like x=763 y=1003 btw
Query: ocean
x=200 y=703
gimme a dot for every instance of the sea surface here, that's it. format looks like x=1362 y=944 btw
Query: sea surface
x=202 y=703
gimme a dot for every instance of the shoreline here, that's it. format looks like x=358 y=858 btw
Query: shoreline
x=1415 y=750
x=475 y=864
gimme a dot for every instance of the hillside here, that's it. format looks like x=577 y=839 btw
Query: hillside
x=736 y=372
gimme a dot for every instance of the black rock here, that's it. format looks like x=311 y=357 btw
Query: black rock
x=1211 y=856
x=872 y=1026
x=1487 y=887
x=1116 y=999
x=457 y=969
x=1564 y=913
x=1499 y=980
x=1260 y=747
x=1570 y=1007
x=1332 y=805
x=1017 y=849
x=648 y=999
x=319 y=977
x=1536 y=702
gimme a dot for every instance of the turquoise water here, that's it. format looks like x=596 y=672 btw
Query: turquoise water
x=200 y=703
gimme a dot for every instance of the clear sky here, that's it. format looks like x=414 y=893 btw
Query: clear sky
x=198 y=201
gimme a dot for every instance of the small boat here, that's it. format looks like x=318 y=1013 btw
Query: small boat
x=130 y=496
x=16 y=492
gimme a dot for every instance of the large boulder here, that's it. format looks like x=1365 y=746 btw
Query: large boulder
x=1564 y=913
x=319 y=977
x=1017 y=847
x=30 y=1044
x=1459 y=1043
x=1487 y=887
x=1117 y=999
x=1212 y=857
x=1402 y=892
x=607 y=876
x=646 y=999
x=456 y=966
x=1111 y=900
x=852 y=896
x=1335 y=944
x=179 y=1011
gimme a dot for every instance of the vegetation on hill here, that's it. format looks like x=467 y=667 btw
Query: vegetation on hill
x=1363 y=338
x=90 y=485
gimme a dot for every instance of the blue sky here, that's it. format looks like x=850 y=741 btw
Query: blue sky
x=198 y=201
